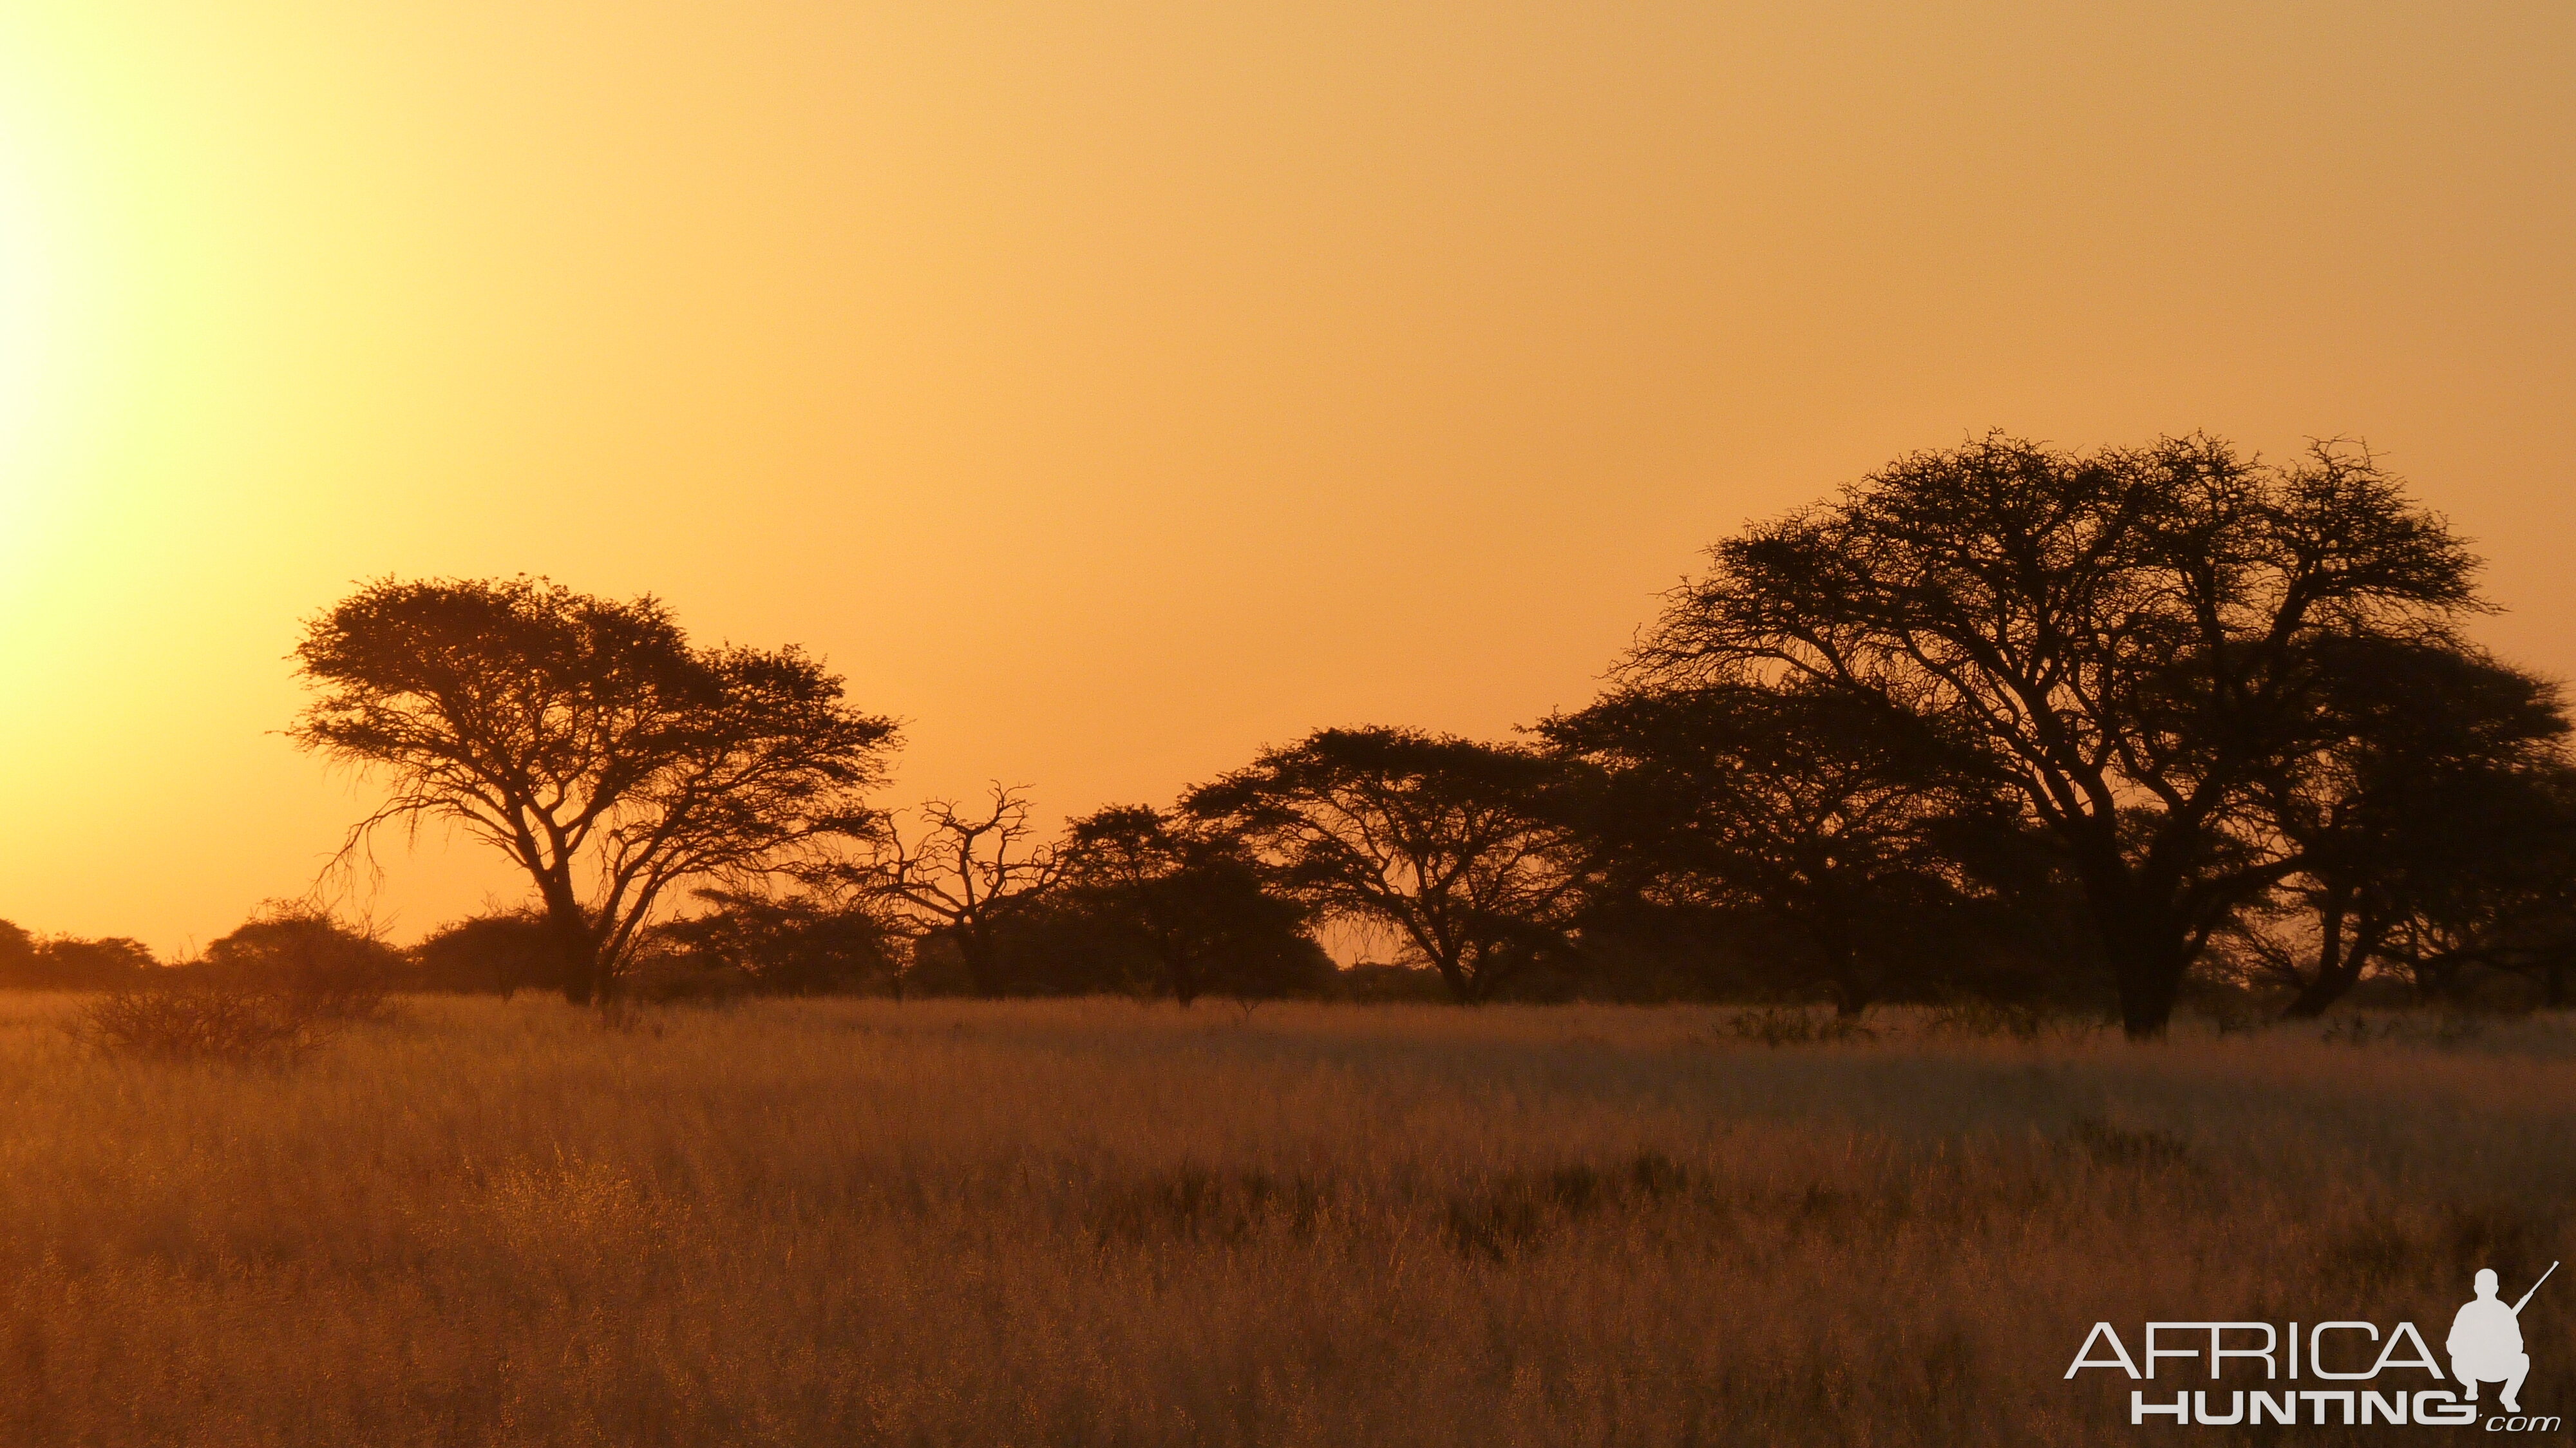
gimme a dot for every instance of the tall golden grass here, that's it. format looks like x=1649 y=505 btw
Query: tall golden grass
x=1106 y=1223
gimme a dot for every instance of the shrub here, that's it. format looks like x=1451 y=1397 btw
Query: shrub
x=330 y=969
x=1373 y=984
x=1521 y=1211
x=507 y=951
x=666 y=979
x=624 y=1015
x=1987 y=1019
x=2449 y=1028
x=1795 y=1026
x=191 y=1021
x=756 y=944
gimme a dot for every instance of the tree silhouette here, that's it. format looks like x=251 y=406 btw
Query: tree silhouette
x=503 y=950
x=2425 y=789
x=68 y=962
x=1189 y=899
x=589 y=742
x=2130 y=632
x=2506 y=902
x=1465 y=850
x=1818 y=806
x=798 y=943
x=963 y=874
x=294 y=946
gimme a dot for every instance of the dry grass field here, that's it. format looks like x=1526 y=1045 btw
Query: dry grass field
x=1105 y=1223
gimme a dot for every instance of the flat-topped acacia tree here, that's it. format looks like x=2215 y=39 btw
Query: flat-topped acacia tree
x=590 y=742
x=2134 y=636
x=1466 y=850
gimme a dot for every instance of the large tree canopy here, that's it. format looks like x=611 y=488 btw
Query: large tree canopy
x=1815 y=805
x=1466 y=850
x=1190 y=900
x=2430 y=813
x=589 y=741
x=2130 y=633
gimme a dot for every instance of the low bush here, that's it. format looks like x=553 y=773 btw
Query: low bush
x=201 y=1021
x=2445 y=1028
x=2110 y=1145
x=1795 y=1026
x=1987 y=1019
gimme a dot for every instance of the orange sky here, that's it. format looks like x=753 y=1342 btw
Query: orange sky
x=1109 y=388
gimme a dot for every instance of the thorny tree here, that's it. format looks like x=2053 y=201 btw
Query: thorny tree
x=1188 y=897
x=1816 y=806
x=2427 y=825
x=963 y=873
x=588 y=741
x=2130 y=633
x=1464 y=849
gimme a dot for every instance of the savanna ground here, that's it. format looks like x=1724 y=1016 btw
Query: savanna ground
x=1105 y=1223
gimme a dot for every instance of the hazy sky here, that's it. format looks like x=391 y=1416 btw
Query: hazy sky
x=1107 y=389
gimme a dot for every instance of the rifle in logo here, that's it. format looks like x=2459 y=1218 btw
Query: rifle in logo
x=2486 y=1341
x=2485 y=1346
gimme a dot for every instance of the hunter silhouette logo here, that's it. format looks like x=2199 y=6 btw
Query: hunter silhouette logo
x=2485 y=1346
x=2486 y=1341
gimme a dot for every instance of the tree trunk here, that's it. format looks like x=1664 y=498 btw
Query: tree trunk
x=2142 y=937
x=2149 y=956
x=1851 y=994
x=2319 y=995
x=576 y=948
x=2340 y=960
x=1180 y=973
x=1462 y=986
x=976 y=948
x=1844 y=982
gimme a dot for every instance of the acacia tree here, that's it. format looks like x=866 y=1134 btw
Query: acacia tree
x=2128 y=632
x=507 y=950
x=1189 y=899
x=1466 y=850
x=963 y=874
x=292 y=945
x=68 y=962
x=1816 y=806
x=2513 y=908
x=806 y=942
x=2429 y=798
x=588 y=741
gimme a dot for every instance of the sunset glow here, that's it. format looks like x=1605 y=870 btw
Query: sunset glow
x=1170 y=723
x=1109 y=392
x=27 y=326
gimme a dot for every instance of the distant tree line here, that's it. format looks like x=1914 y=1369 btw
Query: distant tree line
x=67 y=962
x=2002 y=721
